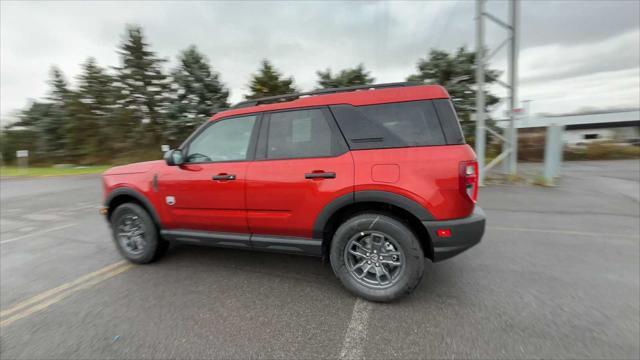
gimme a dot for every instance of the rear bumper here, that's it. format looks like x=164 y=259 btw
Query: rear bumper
x=465 y=233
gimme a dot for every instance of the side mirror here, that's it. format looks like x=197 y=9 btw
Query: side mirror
x=174 y=157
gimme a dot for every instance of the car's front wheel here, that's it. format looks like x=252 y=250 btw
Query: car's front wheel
x=377 y=257
x=136 y=235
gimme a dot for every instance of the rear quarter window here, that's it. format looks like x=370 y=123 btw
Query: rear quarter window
x=405 y=124
x=449 y=121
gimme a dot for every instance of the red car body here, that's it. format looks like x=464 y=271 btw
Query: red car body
x=275 y=199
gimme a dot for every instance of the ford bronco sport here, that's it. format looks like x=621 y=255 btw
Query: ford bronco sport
x=372 y=178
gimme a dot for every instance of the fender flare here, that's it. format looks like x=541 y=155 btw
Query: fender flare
x=136 y=195
x=387 y=197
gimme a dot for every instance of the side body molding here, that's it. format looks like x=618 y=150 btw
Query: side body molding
x=400 y=201
x=134 y=194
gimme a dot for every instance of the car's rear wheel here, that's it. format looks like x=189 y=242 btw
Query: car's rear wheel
x=135 y=234
x=377 y=257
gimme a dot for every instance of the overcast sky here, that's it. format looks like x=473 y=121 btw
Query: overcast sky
x=574 y=54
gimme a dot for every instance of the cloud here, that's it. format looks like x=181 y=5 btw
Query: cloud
x=550 y=62
x=560 y=40
x=607 y=89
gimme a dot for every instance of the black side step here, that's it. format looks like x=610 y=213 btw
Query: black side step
x=282 y=244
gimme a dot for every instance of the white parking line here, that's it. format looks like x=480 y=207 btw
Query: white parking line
x=36 y=233
x=354 y=339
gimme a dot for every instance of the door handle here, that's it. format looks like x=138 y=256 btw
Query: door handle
x=224 y=177
x=320 y=175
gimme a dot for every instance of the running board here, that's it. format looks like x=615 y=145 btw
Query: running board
x=273 y=243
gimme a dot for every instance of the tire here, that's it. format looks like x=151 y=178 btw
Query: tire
x=372 y=234
x=145 y=245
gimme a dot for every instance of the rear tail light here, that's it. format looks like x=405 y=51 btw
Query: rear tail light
x=443 y=233
x=469 y=179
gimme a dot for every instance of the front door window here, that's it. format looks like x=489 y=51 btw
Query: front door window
x=224 y=140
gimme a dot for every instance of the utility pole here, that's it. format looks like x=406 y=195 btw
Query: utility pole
x=480 y=103
x=514 y=9
x=510 y=135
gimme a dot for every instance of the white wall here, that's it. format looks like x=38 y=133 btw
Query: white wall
x=575 y=137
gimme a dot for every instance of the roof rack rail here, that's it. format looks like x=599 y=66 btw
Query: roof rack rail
x=293 y=96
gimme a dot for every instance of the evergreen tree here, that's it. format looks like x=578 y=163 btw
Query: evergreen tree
x=456 y=72
x=346 y=77
x=269 y=82
x=41 y=127
x=35 y=121
x=143 y=89
x=53 y=126
x=197 y=94
x=93 y=132
x=14 y=138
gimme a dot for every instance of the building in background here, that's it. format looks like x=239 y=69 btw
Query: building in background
x=621 y=127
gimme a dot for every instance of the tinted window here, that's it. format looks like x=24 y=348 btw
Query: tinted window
x=225 y=140
x=412 y=123
x=300 y=133
x=449 y=121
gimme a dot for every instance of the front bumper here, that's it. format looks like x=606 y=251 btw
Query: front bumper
x=465 y=233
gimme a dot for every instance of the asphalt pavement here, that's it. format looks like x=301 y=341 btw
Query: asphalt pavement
x=557 y=275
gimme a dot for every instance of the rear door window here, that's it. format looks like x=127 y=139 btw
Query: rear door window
x=405 y=124
x=300 y=134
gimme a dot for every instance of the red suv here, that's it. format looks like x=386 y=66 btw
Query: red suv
x=372 y=178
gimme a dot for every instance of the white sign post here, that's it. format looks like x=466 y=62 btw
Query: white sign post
x=22 y=157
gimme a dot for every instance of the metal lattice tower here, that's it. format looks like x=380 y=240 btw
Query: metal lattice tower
x=510 y=135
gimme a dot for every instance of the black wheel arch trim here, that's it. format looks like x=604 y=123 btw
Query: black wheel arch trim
x=134 y=194
x=387 y=197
